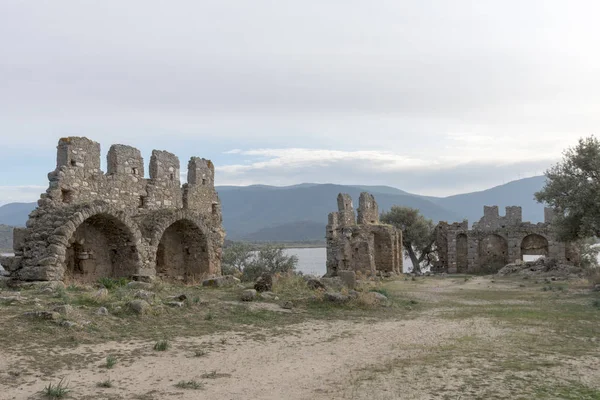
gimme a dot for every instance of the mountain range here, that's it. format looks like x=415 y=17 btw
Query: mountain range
x=299 y=213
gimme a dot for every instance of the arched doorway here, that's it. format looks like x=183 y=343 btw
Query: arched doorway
x=493 y=253
x=182 y=252
x=533 y=247
x=101 y=246
x=462 y=250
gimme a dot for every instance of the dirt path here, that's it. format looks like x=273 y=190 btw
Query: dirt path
x=310 y=360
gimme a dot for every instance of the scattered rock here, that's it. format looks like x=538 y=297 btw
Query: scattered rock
x=101 y=294
x=381 y=298
x=268 y=296
x=597 y=287
x=181 y=297
x=288 y=305
x=64 y=309
x=102 y=311
x=315 y=284
x=139 y=306
x=49 y=315
x=264 y=283
x=249 y=295
x=353 y=294
x=46 y=291
x=336 y=297
x=175 y=303
x=68 y=324
x=144 y=295
x=221 y=281
x=334 y=283
x=348 y=278
x=543 y=267
x=139 y=285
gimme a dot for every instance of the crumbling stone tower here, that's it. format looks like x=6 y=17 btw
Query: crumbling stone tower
x=365 y=245
x=90 y=224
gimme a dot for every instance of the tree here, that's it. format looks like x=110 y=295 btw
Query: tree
x=236 y=257
x=572 y=189
x=269 y=259
x=418 y=234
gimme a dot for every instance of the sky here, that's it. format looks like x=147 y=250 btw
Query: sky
x=432 y=97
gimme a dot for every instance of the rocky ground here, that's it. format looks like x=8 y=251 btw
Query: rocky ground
x=455 y=337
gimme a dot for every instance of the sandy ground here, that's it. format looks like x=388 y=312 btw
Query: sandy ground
x=311 y=360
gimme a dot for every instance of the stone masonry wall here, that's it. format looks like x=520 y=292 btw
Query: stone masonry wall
x=497 y=240
x=90 y=224
x=366 y=246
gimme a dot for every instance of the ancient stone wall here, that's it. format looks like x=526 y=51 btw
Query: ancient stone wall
x=495 y=241
x=364 y=245
x=90 y=224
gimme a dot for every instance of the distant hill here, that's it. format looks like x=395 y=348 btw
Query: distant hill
x=6 y=237
x=299 y=212
x=16 y=214
x=515 y=193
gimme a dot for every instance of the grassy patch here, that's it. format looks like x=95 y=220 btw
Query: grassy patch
x=111 y=361
x=58 y=391
x=162 y=345
x=194 y=385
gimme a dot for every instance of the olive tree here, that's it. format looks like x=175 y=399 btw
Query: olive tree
x=418 y=234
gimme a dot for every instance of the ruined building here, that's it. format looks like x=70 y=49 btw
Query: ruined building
x=495 y=241
x=365 y=245
x=90 y=224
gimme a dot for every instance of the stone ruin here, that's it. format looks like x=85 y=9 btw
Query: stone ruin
x=90 y=224
x=364 y=245
x=496 y=241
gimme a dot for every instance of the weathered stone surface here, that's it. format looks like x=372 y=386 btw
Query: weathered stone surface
x=221 y=281
x=334 y=283
x=315 y=284
x=68 y=324
x=101 y=294
x=49 y=315
x=144 y=295
x=140 y=285
x=367 y=246
x=249 y=295
x=288 y=305
x=139 y=306
x=348 y=278
x=102 y=311
x=90 y=224
x=335 y=297
x=64 y=309
x=268 y=296
x=177 y=304
x=380 y=297
x=264 y=283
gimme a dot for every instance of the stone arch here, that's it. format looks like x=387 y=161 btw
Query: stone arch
x=493 y=253
x=534 y=245
x=180 y=242
x=462 y=252
x=98 y=242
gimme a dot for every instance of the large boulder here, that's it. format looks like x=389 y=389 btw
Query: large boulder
x=264 y=283
x=249 y=295
x=221 y=281
x=335 y=297
x=314 y=284
x=139 y=306
x=348 y=278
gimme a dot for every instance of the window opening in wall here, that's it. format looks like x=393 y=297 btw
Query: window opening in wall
x=215 y=209
x=204 y=181
x=134 y=171
x=172 y=176
x=73 y=163
x=66 y=196
x=142 y=202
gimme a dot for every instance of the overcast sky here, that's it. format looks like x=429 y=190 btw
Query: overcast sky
x=433 y=97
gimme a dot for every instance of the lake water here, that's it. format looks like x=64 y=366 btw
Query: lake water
x=313 y=260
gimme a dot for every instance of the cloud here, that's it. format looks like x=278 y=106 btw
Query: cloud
x=20 y=194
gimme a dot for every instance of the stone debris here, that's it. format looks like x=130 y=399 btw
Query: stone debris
x=144 y=295
x=102 y=311
x=542 y=267
x=348 y=278
x=64 y=309
x=140 y=285
x=221 y=281
x=175 y=304
x=269 y=296
x=139 y=306
x=315 y=284
x=49 y=315
x=249 y=295
x=264 y=283
x=335 y=297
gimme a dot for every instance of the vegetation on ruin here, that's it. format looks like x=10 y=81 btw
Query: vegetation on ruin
x=418 y=234
x=247 y=262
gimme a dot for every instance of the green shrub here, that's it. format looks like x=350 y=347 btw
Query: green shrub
x=162 y=345
x=56 y=391
x=113 y=283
